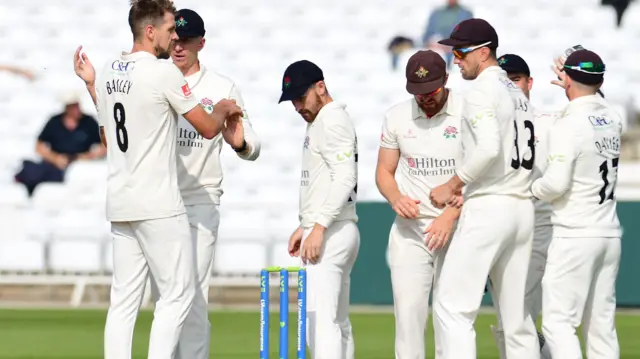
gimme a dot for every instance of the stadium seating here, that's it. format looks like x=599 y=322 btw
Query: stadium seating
x=62 y=229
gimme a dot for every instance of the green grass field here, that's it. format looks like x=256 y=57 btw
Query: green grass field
x=77 y=334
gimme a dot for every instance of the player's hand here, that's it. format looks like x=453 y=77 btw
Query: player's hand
x=457 y=201
x=558 y=69
x=439 y=231
x=227 y=108
x=406 y=207
x=442 y=195
x=233 y=132
x=294 y=242
x=83 y=67
x=312 y=246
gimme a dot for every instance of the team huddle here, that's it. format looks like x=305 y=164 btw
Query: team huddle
x=484 y=186
x=530 y=204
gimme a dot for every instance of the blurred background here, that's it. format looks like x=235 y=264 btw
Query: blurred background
x=53 y=233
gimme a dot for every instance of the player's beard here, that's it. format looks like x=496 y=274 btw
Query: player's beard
x=163 y=54
x=310 y=115
x=470 y=72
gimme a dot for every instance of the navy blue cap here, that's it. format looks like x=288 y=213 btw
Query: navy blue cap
x=514 y=64
x=298 y=78
x=189 y=24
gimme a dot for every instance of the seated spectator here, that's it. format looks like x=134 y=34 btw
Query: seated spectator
x=69 y=136
x=441 y=23
x=397 y=47
x=402 y=48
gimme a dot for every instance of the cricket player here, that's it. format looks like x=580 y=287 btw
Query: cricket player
x=199 y=169
x=578 y=286
x=495 y=230
x=138 y=99
x=327 y=240
x=420 y=146
x=519 y=73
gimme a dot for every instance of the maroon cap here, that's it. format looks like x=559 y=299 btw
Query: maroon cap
x=426 y=72
x=472 y=32
x=586 y=67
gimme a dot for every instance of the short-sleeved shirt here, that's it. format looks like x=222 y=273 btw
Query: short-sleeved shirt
x=429 y=148
x=70 y=142
x=139 y=99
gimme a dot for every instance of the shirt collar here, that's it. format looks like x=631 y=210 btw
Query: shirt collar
x=194 y=79
x=492 y=71
x=330 y=106
x=138 y=55
x=580 y=101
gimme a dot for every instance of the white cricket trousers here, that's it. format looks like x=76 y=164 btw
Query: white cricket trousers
x=533 y=292
x=164 y=248
x=204 y=221
x=329 y=332
x=414 y=270
x=579 y=286
x=493 y=238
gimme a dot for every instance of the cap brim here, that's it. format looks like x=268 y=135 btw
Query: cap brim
x=421 y=88
x=292 y=94
x=453 y=42
x=515 y=70
x=187 y=34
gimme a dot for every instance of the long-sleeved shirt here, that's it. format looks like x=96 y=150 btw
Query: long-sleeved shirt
x=580 y=179
x=199 y=170
x=429 y=148
x=329 y=176
x=542 y=125
x=497 y=137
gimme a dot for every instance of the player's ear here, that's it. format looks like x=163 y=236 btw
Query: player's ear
x=150 y=32
x=202 y=42
x=530 y=83
x=321 y=88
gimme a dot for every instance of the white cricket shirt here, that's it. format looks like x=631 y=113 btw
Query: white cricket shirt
x=429 y=148
x=543 y=121
x=139 y=98
x=329 y=177
x=199 y=170
x=497 y=137
x=580 y=179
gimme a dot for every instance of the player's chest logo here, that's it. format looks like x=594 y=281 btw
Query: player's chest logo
x=306 y=143
x=450 y=132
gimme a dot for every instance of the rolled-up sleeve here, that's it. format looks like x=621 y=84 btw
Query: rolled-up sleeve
x=480 y=113
x=556 y=179
x=250 y=135
x=338 y=149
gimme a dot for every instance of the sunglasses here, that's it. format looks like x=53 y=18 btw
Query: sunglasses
x=432 y=93
x=588 y=67
x=460 y=53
